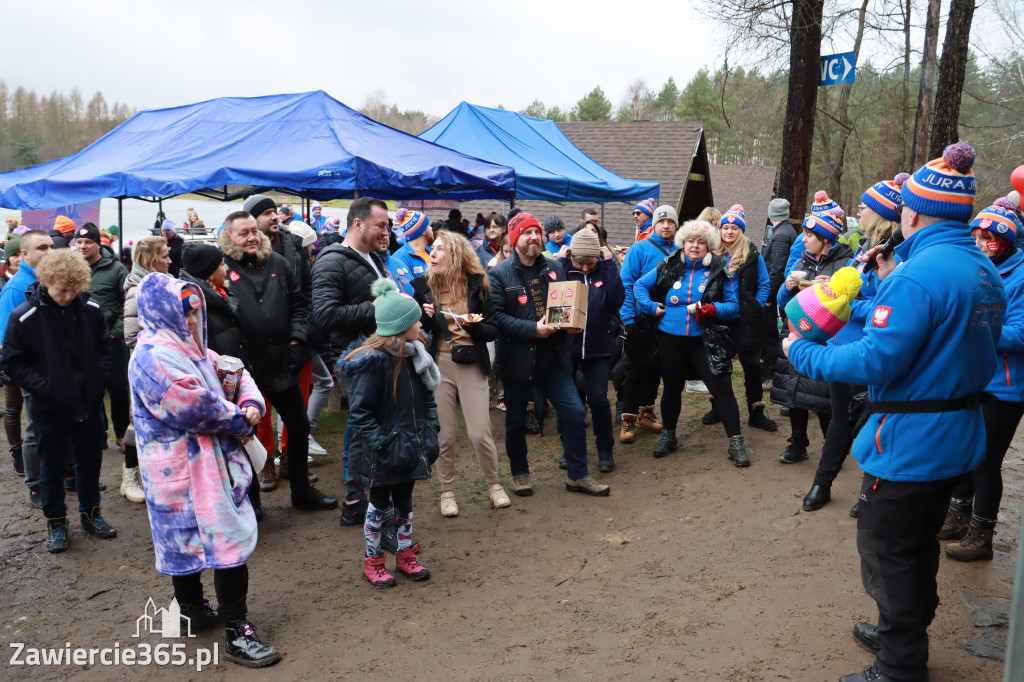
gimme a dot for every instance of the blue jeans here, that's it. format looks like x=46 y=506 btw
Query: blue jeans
x=84 y=440
x=596 y=372
x=559 y=388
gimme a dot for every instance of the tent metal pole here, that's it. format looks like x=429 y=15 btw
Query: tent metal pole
x=602 y=218
x=120 y=221
x=355 y=195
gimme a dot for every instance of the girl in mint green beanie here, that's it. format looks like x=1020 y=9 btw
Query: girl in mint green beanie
x=390 y=380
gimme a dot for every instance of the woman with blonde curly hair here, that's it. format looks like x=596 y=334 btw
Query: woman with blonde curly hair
x=56 y=348
x=455 y=296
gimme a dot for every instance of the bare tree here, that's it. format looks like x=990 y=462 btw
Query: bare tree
x=637 y=104
x=952 y=68
x=926 y=89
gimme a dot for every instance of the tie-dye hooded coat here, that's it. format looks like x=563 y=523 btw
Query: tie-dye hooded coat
x=194 y=470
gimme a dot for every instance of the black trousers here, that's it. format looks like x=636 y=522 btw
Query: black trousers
x=383 y=496
x=750 y=361
x=770 y=344
x=985 y=483
x=230 y=584
x=899 y=559
x=838 y=434
x=117 y=387
x=290 y=404
x=798 y=419
x=639 y=383
x=682 y=358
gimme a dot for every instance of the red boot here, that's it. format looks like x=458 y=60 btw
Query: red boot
x=407 y=564
x=375 y=573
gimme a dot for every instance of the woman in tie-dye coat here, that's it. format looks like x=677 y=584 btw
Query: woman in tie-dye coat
x=195 y=472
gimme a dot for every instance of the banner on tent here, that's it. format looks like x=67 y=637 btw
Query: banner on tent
x=81 y=213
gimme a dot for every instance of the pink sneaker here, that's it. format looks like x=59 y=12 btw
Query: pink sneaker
x=407 y=564
x=375 y=573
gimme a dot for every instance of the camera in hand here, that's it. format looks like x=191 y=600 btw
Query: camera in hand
x=894 y=240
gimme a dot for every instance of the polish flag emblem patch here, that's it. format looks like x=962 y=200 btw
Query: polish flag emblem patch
x=522 y=299
x=880 y=317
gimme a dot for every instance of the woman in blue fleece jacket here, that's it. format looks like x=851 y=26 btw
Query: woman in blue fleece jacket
x=689 y=295
x=994 y=231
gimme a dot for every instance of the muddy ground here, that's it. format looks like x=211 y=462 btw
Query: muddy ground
x=690 y=570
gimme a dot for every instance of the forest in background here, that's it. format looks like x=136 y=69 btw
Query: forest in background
x=862 y=133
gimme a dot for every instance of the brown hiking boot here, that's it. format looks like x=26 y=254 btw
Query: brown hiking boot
x=627 y=434
x=955 y=526
x=976 y=545
x=268 y=479
x=646 y=419
x=587 y=485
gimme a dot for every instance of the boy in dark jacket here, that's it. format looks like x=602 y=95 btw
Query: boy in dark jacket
x=57 y=348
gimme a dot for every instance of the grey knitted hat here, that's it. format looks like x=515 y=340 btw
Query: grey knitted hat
x=778 y=209
x=552 y=224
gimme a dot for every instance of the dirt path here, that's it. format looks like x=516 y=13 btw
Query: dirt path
x=690 y=570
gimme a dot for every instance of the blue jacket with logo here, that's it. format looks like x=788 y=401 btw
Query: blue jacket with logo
x=407 y=259
x=932 y=335
x=604 y=297
x=13 y=294
x=861 y=307
x=403 y=279
x=642 y=258
x=554 y=247
x=1008 y=383
x=677 y=319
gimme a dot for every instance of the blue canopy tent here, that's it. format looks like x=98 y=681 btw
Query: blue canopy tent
x=307 y=144
x=548 y=166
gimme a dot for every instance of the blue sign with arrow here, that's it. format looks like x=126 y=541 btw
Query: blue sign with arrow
x=838 y=68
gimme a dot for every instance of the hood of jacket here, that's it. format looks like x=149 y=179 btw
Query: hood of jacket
x=367 y=361
x=161 y=317
x=237 y=253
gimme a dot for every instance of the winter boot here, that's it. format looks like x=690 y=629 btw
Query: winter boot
x=58 y=534
x=605 y=461
x=976 y=545
x=93 y=524
x=666 y=444
x=711 y=417
x=131 y=485
x=797 y=450
x=407 y=564
x=817 y=498
x=375 y=573
x=245 y=648
x=958 y=517
x=758 y=419
x=200 y=617
x=645 y=418
x=353 y=514
x=739 y=453
x=267 y=477
x=627 y=434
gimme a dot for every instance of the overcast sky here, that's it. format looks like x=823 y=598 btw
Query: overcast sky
x=423 y=55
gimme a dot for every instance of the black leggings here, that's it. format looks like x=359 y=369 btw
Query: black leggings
x=682 y=358
x=230 y=584
x=798 y=418
x=381 y=497
x=985 y=483
x=750 y=361
x=838 y=434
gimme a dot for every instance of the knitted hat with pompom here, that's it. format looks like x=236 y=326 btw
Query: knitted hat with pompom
x=944 y=187
x=734 y=216
x=818 y=312
x=884 y=198
x=822 y=203
x=394 y=311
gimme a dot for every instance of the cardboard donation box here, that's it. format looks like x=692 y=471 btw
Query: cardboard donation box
x=567 y=305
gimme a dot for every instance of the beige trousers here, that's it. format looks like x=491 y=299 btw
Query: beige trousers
x=471 y=385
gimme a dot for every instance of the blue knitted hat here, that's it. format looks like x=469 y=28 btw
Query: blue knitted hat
x=825 y=225
x=822 y=203
x=944 y=187
x=884 y=198
x=998 y=221
x=414 y=225
x=734 y=216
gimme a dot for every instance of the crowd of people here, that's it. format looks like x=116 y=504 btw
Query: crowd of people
x=197 y=343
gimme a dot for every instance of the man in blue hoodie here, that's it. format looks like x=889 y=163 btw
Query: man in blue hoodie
x=640 y=385
x=554 y=230
x=35 y=244
x=927 y=355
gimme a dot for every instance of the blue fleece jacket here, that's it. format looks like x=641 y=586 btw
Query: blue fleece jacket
x=677 y=319
x=1008 y=383
x=860 y=308
x=764 y=283
x=796 y=252
x=13 y=294
x=642 y=257
x=554 y=247
x=932 y=335
x=408 y=260
x=403 y=279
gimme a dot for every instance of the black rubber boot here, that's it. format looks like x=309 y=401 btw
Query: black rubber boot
x=817 y=498
x=200 y=617
x=711 y=417
x=245 y=648
x=758 y=419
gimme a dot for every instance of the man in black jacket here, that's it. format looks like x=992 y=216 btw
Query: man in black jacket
x=343 y=306
x=272 y=314
x=532 y=353
x=57 y=348
x=776 y=255
x=175 y=244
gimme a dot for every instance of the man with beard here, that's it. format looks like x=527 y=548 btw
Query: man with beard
x=414 y=256
x=532 y=353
